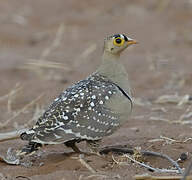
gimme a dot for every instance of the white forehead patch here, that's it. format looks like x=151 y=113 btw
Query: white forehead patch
x=121 y=35
x=129 y=39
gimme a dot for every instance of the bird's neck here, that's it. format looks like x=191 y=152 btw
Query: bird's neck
x=112 y=68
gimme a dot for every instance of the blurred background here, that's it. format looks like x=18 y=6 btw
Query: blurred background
x=47 y=45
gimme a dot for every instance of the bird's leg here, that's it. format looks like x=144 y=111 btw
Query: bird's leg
x=94 y=146
x=72 y=145
x=30 y=148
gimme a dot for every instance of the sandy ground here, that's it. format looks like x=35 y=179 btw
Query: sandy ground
x=71 y=32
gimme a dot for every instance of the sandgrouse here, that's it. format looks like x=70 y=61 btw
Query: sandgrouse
x=90 y=109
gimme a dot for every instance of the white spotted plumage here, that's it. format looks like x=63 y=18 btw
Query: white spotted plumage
x=83 y=111
x=67 y=112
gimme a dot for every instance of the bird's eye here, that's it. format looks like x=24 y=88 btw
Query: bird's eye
x=118 y=41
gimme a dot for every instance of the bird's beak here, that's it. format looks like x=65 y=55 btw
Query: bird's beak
x=129 y=42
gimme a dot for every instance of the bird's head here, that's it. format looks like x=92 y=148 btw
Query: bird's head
x=116 y=43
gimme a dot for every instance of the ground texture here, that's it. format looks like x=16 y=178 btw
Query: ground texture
x=36 y=34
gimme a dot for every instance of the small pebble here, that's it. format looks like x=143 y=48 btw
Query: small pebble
x=184 y=156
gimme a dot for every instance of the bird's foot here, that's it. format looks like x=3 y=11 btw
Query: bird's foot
x=29 y=149
x=94 y=147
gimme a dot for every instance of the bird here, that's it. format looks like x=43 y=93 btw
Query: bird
x=90 y=109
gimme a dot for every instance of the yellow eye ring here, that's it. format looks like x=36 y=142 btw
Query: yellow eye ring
x=118 y=41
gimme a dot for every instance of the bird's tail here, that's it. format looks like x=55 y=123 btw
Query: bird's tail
x=27 y=135
x=32 y=146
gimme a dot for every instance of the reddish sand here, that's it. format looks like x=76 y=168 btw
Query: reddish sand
x=159 y=65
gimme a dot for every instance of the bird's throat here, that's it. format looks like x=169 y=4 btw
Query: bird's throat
x=112 y=68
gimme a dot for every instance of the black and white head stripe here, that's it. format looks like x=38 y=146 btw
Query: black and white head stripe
x=117 y=35
x=125 y=37
x=122 y=36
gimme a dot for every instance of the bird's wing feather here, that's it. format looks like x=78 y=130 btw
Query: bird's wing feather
x=80 y=112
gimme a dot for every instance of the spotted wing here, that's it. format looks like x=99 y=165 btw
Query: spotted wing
x=80 y=112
